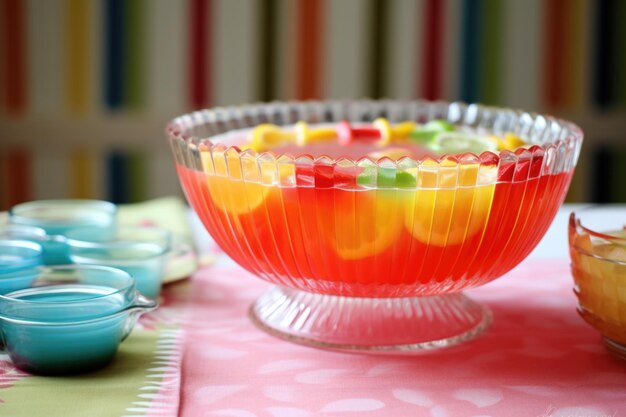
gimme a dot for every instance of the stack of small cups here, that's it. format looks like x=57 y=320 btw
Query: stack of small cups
x=20 y=258
x=73 y=283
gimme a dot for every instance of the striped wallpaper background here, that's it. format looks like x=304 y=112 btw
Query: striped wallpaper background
x=86 y=86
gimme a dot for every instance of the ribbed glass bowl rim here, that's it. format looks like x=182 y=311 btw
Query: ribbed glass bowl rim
x=50 y=269
x=18 y=213
x=544 y=129
x=576 y=226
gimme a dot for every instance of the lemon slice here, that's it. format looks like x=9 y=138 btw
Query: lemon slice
x=460 y=142
x=456 y=210
x=509 y=142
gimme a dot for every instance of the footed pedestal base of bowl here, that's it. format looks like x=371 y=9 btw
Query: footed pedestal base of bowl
x=369 y=325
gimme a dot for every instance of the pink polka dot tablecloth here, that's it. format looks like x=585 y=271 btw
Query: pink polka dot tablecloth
x=537 y=359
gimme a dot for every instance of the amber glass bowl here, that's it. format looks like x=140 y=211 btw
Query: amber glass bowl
x=391 y=242
x=598 y=254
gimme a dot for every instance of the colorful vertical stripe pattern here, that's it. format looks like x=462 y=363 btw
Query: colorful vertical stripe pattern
x=114 y=53
x=432 y=49
x=610 y=54
x=490 y=57
x=124 y=58
x=17 y=166
x=14 y=49
x=470 y=27
x=562 y=57
x=481 y=32
x=603 y=53
x=155 y=59
x=77 y=41
x=619 y=68
x=267 y=55
x=80 y=174
x=134 y=59
x=308 y=53
x=199 y=53
x=377 y=63
x=127 y=172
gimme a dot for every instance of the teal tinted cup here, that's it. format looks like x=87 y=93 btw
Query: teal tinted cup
x=22 y=232
x=140 y=251
x=19 y=260
x=57 y=217
x=71 y=320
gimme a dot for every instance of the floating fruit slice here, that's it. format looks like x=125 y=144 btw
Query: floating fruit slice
x=426 y=133
x=454 y=211
x=512 y=142
x=266 y=136
x=226 y=186
x=461 y=142
x=610 y=251
x=306 y=136
x=509 y=142
x=368 y=223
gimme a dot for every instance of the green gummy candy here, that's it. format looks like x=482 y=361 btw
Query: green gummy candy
x=364 y=178
x=439 y=126
x=426 y=134
x=405 y=180
x=388 y=178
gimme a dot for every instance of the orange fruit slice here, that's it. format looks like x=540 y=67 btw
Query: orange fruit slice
x=366 y=224
x=452 y=207
x=229 y=192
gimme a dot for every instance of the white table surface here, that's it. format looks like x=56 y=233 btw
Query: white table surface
x=554 y=244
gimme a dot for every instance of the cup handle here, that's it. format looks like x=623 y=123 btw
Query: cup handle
x=141 y=305
x=56 y=238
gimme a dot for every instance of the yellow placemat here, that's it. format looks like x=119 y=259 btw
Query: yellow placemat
x=169 y=213
x=142 y=380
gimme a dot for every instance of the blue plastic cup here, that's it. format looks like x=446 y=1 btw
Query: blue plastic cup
x=57 y=217
x=19 y=260
x=140 y=251
x=72 y=320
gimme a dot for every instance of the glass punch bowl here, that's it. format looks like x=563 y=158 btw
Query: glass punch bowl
x=372 y=254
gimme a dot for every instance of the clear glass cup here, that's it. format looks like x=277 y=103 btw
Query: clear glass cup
x=57 y=217
x=22 y=232
x=597 y=242
x=18 y=262
x=18 y=254
x=71 y=319
x=371 y=254
x=140 y=251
